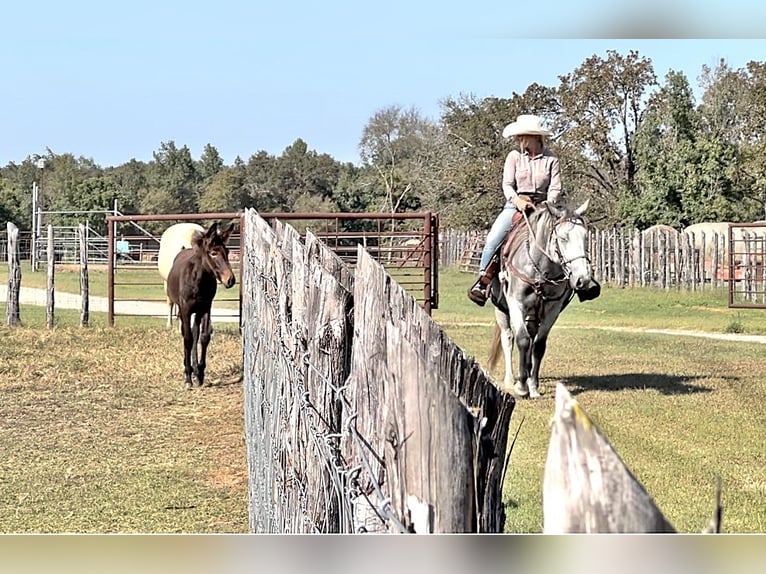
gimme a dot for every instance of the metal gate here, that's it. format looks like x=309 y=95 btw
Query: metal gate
x=746 y=269
x=406 y=244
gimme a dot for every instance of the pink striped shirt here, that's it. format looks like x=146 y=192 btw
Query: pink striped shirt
x=538 y=177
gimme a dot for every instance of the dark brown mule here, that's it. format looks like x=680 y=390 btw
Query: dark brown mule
x=192 y=284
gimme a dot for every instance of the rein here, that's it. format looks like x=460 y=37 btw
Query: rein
x=560 y=261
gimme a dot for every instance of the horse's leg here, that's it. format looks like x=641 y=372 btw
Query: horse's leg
x=538 y=351
x=195 y=342
x=506 y=340
x=185 y=320
x=204 y=339
x=523 y=342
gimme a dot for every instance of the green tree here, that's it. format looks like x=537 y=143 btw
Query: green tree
x=665 y=149
x=224 y=192
x=753 y=146
x=131 y=183
x=173 y=182
x=300 y=171
x=601 y=107
x=393 y=149
x=210 y=163
x=259 y=172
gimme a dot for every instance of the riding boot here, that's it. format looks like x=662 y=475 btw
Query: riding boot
x=479 y=291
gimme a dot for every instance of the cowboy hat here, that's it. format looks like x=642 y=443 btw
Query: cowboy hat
x=525 y=125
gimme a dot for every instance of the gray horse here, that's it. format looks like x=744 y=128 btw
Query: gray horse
x=543 y=264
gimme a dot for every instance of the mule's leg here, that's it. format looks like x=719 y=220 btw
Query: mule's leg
x=195 y=343
x=185 y=320
x=506 y=340
x=204 y=340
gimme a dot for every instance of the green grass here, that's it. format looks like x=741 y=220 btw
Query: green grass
x=639 y=308
x=679 y=410
x=99 y=435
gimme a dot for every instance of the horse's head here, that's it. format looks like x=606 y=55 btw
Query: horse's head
x=212 y=245
x=569 y=243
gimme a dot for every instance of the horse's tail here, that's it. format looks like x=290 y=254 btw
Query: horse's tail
x=494 y=352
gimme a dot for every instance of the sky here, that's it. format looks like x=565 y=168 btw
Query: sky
x=111 y=81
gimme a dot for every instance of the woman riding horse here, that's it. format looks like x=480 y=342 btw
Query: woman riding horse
x=531 y=175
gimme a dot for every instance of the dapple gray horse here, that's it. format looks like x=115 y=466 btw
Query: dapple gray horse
x=544 y=262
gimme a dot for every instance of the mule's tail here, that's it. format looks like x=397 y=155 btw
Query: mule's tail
x=494 y=352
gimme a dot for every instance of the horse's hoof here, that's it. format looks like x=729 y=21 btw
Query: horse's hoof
x=534 y=394
x=188 y=385
x=520 y=389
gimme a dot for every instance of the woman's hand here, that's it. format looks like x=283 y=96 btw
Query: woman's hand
x=522 y=203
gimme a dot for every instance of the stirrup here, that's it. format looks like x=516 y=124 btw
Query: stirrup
x=478 y=293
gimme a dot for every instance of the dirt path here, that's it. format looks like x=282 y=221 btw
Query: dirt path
x=63 y=300
x=761 y=339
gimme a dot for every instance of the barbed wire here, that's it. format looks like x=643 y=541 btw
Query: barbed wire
x=282 y=486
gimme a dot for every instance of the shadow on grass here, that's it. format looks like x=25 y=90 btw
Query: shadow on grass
x=665 y=384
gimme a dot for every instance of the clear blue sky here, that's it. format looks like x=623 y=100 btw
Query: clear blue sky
x=112 y=80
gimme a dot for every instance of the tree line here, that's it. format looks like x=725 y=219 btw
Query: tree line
x=644 y=150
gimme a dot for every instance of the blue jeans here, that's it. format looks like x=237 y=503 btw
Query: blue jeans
x=500 y=228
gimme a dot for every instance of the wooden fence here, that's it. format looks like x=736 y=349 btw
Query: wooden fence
x=13 y=308
x=627 y=257
x=360 y=413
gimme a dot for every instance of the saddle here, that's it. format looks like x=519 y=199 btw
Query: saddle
x=506 y=247
x=515 y=237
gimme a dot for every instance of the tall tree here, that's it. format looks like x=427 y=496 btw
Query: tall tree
x=665 y=143
x=300 y=171
x=753 y=147
x=224 y=192
x=173 y=181
x=392 y=149
x=717 y=182
x=210 y=163
x=601 y=106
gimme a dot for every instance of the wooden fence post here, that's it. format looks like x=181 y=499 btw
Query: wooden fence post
x=586 y=486
x=51 y=298
x=12 y=309
x=84 y=308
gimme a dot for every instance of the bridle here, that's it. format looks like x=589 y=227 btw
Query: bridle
x=562 y=262
x=559 y=259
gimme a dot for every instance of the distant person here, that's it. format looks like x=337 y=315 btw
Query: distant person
x=531 y=175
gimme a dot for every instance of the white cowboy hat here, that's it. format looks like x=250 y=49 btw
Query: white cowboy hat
x=525 y=125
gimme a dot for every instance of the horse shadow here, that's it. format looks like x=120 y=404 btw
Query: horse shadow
x=663 y=383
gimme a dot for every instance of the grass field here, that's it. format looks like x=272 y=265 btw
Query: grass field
x=679 y=410
x=99 y=434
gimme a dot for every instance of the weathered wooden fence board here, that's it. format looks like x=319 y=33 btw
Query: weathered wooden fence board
x=360 y=412
x=12 y=308
x=51 y=279
x=84 y=285
x=587 y=488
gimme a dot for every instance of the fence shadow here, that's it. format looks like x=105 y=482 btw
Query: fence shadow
x=664 y=383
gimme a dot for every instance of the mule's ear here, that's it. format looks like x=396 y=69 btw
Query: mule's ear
x=228 y=231
x=555 y=210
x=580 y=210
